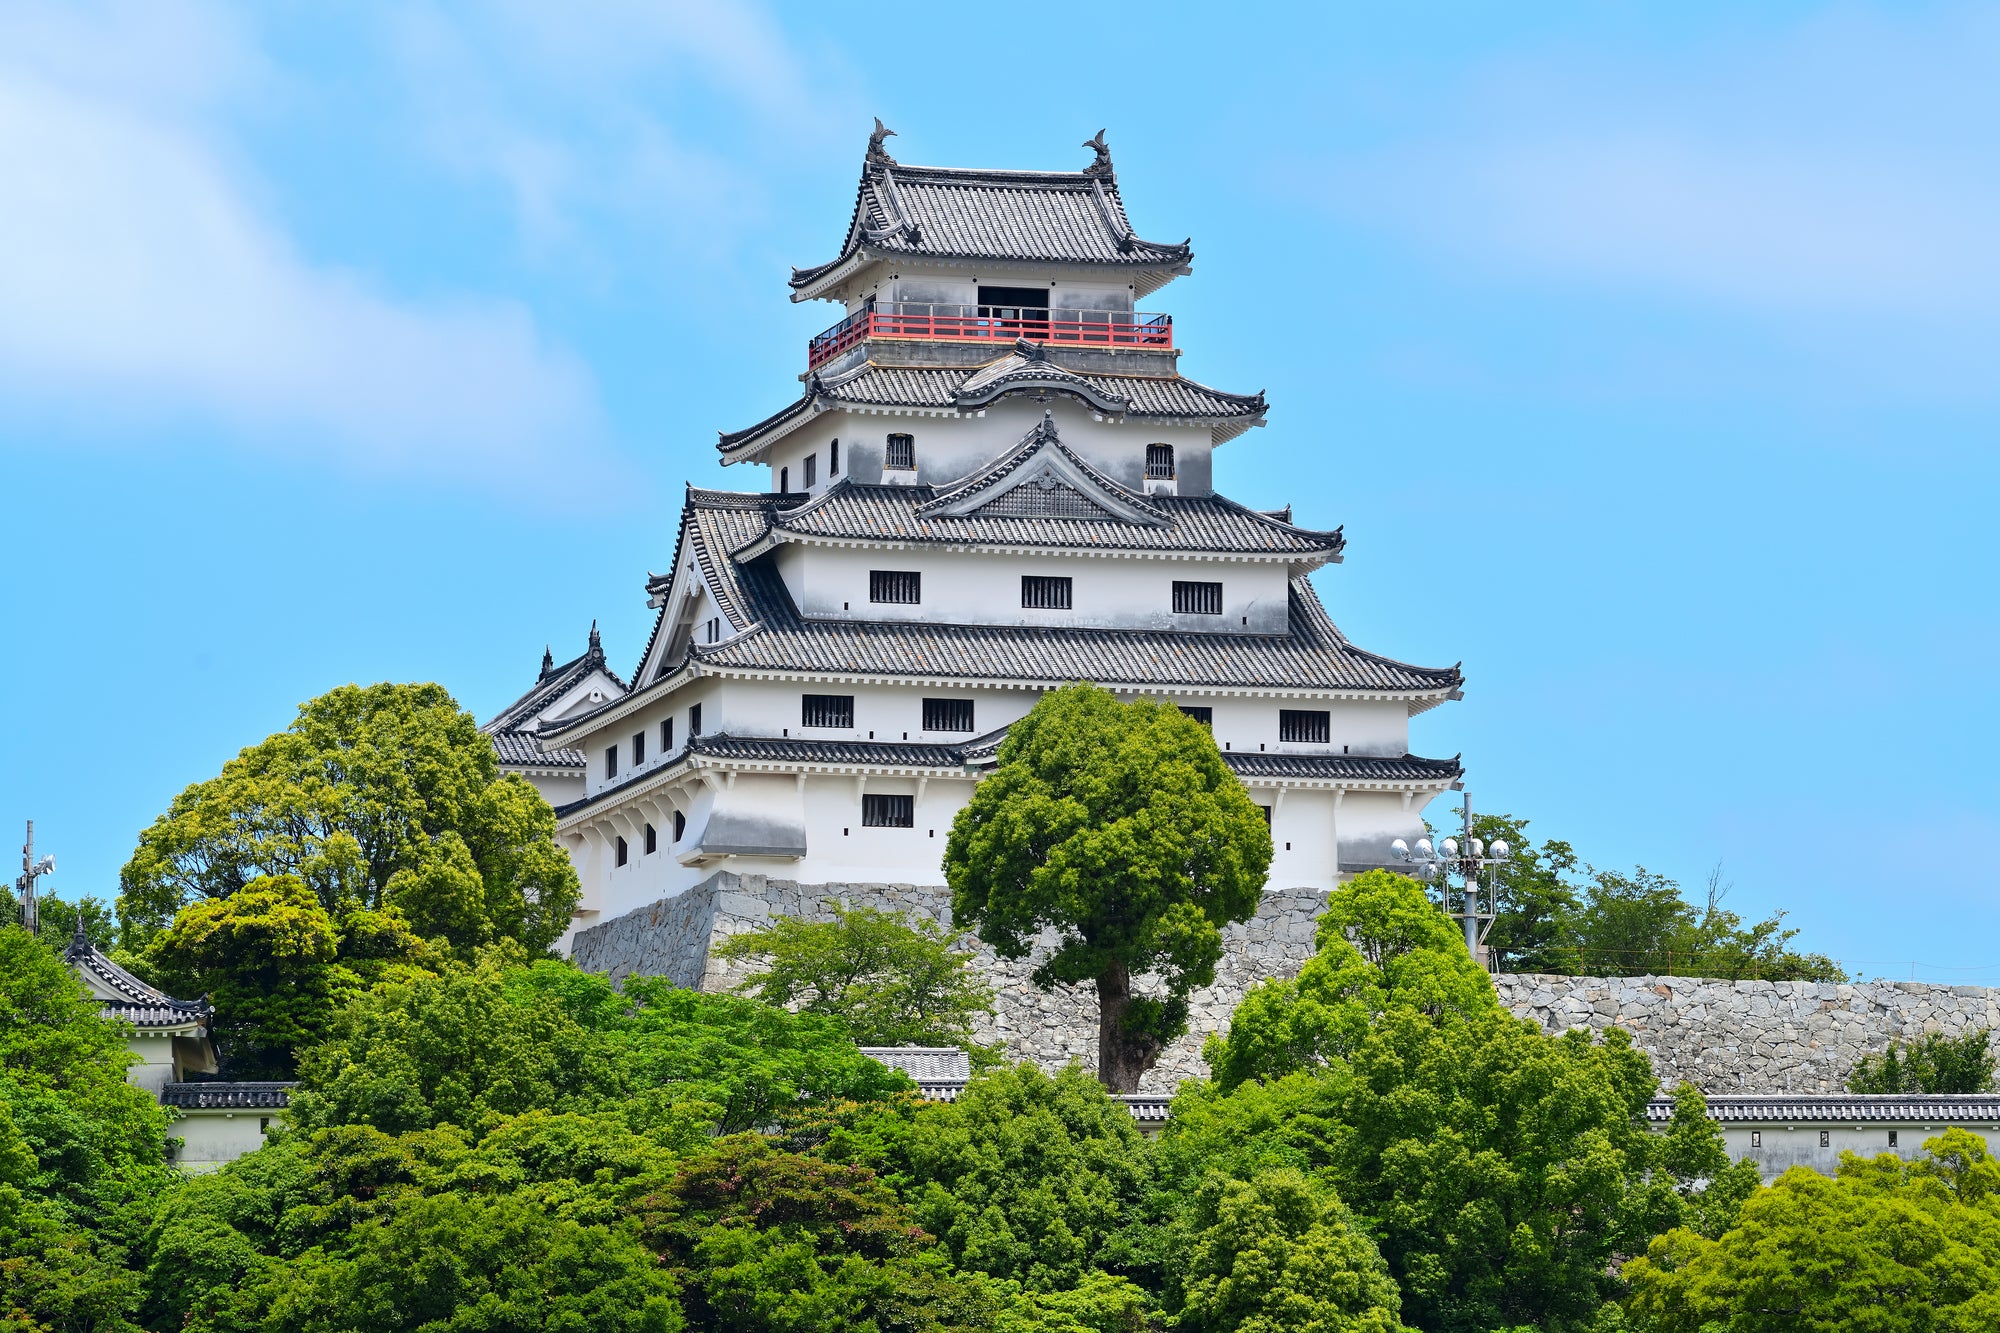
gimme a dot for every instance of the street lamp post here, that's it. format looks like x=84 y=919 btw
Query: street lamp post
x=31 y=870
x=1469 y=860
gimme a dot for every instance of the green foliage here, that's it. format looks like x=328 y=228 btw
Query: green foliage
x=1380 y=942
x=375 y=795
x=1934 y=1063
x=1119 y=825
x=1887 y=1247
x=888 y=979
x=1279 y=1253
x=1036 y=1179
x=1558 y=915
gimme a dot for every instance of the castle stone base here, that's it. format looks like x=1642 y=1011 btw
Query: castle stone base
x=1744 y=1036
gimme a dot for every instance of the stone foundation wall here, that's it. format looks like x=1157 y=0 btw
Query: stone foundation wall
x=1743 y=1036
x=670 y=938
x=1752 y=1036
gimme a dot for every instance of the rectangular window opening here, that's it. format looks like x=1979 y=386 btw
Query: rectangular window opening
x=1305 y=726
x=833 y=459
x=652 y=840
x=1045 y=592
x=638 y=748
x=889 y=811
x=680 y=826
x=947 y=715
x=1159 y=462
x=610 y=761
x=1200 y=713
x=1197 y=599
x=1756 y=1138
x=1892 y=1138
x=1826 y=1138
x=811 y=470
x=902 y=586
x=900 y=455
x=826 y=710
x=667 y=736
x=1013 y=303
x=623 y=853
x=694 y=720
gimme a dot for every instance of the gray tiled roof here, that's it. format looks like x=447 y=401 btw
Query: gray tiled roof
x=869 y=385
x=227 y=1096
x=143 y=1005
x=1193 y=524
x=1066 y=217
x=1832 y=1108
x=815 y=750
x=142 y=1015
x=509 y=728
x=924 y=1064
x=519 y=748
x=1373 y=768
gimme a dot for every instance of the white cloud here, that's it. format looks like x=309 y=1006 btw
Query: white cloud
x=139 y=277
x=1830 y=183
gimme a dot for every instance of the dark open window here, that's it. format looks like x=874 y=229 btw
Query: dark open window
x=889 y=811
x=694 y=720
x=811 y=472
x=947 y=715
x=1305 y=725
x=1201 y=714
x=610 y=761
x=623 y=853
x=1044 y=592
x=784 y=480
x=667 y=736
x=901 y=453
x=1197 y=599
x=895 y=585
x=680 y=826
x=638 y=748
x=1013 y=303
x=833 y=459
x=652 y=840
x=826 y=710
x=1159 y=462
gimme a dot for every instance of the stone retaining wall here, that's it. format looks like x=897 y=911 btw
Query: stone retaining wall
x=1752 y=1036
x=1744 y=1036
x=671 y=937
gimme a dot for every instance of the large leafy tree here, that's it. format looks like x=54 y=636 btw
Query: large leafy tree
x=890 y=980
x=375 y=796
x=1887 y=1246
x=1119 y=826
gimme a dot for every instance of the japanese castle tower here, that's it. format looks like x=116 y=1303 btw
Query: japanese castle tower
x=995 y=480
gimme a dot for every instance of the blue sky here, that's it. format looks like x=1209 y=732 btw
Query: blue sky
x=1646 y=352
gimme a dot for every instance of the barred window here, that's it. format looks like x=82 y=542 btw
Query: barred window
x=1825 y=1138
x=1201 y=714
x=901 y=454
x=895 y=585
x=652 y=840
x=1043 y=592
x=1305 y=726
x=947 y=715
x=1197 y=599
x=694 y=720
x=811 y=470
x=610 y=761
x=826 y=710
x=889 y=811
x=1159 y=462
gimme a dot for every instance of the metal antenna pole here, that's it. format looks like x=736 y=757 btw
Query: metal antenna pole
x=31 y=870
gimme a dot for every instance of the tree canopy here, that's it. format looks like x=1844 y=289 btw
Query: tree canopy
x=1932 y=1063
x=1120 y=826
x=376 y=796
x=887 y=978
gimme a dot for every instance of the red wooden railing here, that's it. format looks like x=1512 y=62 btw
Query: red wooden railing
x=966 y=323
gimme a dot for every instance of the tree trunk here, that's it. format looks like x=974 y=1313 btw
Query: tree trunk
x=1121 y=1056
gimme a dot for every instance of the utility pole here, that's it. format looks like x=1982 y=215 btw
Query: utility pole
x=31 y=870
x=1472 y=861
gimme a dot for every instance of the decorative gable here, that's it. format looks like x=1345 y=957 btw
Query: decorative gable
x=1041 y=478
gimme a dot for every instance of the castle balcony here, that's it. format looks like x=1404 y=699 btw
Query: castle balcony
x=916 y=321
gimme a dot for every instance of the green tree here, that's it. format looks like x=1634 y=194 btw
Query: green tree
x=376 y=795
x=1035 y=1179
x=1120 y=826
x=1277 y=1254
x=268 y=956
x=1886 y=1246
x=1933 y=1063
x=890 y=980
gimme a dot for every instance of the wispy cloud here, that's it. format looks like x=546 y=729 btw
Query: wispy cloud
x=141 y=277
x=1831 y=183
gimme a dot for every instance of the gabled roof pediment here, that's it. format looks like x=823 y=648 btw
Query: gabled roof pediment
x=1029 y=369
x=1040 y=477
